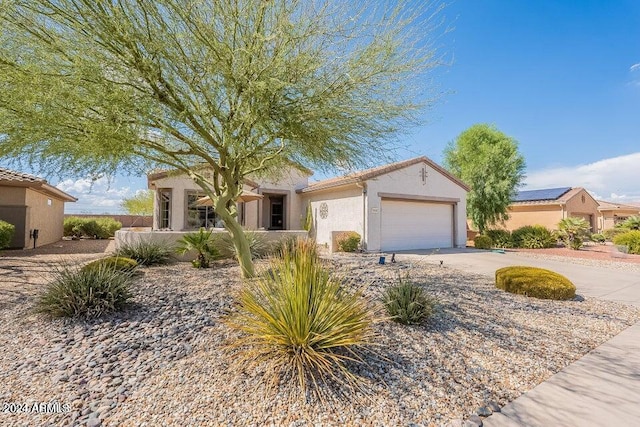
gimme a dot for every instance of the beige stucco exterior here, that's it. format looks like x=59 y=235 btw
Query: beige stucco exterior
x=28 y=209
x=550 y=213
x=610 y=217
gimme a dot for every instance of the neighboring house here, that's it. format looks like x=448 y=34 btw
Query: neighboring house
x=549 y=206
x=413 y=204
x=30 y=203
x=611 y=214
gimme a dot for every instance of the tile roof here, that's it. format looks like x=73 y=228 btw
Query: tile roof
x=606 y=206
x=367 y=174
x=9 y=175
x=18 y=179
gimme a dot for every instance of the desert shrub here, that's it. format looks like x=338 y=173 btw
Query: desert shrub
x=573 y=231
x=71 y=226
x=147 y=252
x=117 y=263
x=407 y=303
x=535 y=282
x=630 y=239
x=631 y=223
x=482 y=242
x=6 y=234
x=201 y=242
x=86 y=292
x=500 y=238
x=533 y=237
x=299 y=323
x=598 y=238
x=100 y=228
x=348 y=241
x=257 y=245
x=107 y=227
x=610 y=233
x=291 y=244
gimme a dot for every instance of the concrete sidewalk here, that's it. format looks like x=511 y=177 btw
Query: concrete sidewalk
x=600 y=389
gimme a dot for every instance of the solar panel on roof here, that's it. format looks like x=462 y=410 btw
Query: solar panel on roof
x=544 y=194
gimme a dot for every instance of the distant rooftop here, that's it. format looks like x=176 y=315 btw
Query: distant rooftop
x=539 y=195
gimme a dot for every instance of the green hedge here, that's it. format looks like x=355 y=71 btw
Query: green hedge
x=6 y=234
x=630 y=239
x=533 y=237
x=99 y=228
x=500 y=238
x=113 y=262
x=535 y=282
x=349 y=241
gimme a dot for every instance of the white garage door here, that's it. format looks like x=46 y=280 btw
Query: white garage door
x=416 y=225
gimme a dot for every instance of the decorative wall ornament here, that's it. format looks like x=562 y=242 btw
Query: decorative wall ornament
x=324 y=210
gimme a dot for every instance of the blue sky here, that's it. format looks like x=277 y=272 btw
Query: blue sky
x=562 y=77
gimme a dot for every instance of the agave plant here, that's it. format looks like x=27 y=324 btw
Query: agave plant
x=297 y=321
x=201 y=242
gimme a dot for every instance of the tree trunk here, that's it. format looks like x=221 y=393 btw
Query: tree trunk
x=240 y=242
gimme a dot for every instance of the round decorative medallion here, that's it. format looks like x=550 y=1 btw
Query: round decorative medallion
x=324 y=210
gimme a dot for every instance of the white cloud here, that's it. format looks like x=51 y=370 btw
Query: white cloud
x=95 y=196
x=635 y=67
x=616 y=178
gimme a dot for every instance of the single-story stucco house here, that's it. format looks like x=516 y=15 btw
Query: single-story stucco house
x=549 y=206
x=30 y=203
x=611 y=214
x=412 y=204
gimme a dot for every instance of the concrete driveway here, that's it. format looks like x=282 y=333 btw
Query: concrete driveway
x=599 y=282
x=600 y=389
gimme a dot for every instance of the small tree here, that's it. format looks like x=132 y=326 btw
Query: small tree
x=490 y=163
x=139 y=204
x=240 y=88
x=573 y=231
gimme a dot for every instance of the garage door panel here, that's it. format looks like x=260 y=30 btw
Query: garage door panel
x=416 y=225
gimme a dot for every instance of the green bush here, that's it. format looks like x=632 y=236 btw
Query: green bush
x=630 y=239
x=6 y=234
x=201 y=242
x=482 y=242
x=257 y=245
x=598 y=238
x=87 y=292
x=535 y=282
x=299 y=322
x=500 y=238
x=147 y=252
x=631 y=223
x=610 y=233
x=100 y=228
x=533 y=237
x=407 y=303
x=71 y=226
x=348 y=241
x=117 y=263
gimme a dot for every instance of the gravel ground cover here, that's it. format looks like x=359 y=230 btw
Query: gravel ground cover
x=597 y=257
x=161 y=362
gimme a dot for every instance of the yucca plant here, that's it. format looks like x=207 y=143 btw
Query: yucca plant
x=298 y=322
x=290 y=244
x=147 y=252
x=201 y=242
x=86 y=292
x=407 y=303
x=257 y=245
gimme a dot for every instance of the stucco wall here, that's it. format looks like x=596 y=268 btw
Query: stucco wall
x=45 y=214
x=12 y=196
x=408 y=181
x=608 y=219
x=589 y=207
x=545 y=215
x=344 y=212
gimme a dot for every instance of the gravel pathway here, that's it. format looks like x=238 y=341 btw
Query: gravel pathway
x=161 y=362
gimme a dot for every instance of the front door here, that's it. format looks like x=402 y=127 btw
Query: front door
x=276 y=212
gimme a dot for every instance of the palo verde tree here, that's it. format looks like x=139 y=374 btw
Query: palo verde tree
x=140 y=203
x=490 y=163
x=232 y=87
